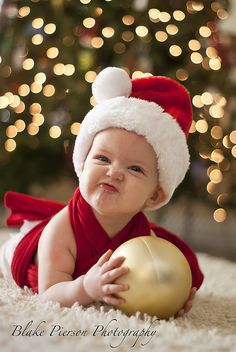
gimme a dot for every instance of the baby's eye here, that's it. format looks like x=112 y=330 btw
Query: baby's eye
x=102 y=158
x=136 y=168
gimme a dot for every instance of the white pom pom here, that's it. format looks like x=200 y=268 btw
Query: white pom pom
x=110 y=83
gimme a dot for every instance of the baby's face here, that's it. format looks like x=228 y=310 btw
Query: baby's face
x=120 y=173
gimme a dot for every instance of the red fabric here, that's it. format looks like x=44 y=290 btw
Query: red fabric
x=24 y=207
x=169 y=94
x=91 y=240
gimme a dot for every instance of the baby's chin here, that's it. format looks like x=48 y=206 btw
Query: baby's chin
x=104 y=199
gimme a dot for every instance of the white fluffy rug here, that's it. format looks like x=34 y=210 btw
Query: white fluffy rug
x=210 y=326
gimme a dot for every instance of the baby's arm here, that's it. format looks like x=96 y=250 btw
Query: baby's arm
x=56 y=263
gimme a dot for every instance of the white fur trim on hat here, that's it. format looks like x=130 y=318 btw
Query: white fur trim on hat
x=146 y=119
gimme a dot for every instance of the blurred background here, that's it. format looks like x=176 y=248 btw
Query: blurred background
x=51 y=52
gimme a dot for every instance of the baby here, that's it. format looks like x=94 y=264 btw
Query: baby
x=130 y=155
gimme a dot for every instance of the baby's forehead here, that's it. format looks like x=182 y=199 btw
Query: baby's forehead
x=115 y=133
x=128 y=143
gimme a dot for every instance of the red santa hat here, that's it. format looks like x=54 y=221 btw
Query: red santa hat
x=155 y=107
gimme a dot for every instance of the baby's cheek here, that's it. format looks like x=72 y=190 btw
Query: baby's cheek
x=83 y=184
x=86 y=184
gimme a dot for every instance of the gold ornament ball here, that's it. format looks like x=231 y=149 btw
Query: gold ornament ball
x=159 y=277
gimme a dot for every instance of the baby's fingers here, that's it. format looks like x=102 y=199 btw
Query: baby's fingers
x=193 y=292
x=111 y=275
x=187 y=307
x=112 y=264
x=110 y=289
x=104 y=258
x=113 y=300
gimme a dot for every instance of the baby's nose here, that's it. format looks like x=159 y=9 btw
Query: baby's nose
x=115 y=173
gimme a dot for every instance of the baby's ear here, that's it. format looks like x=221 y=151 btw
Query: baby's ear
x=157 y=198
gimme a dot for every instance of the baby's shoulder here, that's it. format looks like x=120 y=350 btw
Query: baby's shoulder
x=58 y=232
x=61 y=218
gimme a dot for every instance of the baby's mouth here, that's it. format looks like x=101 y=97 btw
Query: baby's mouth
x=108 y=187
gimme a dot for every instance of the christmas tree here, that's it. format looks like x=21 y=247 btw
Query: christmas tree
x=51 y=51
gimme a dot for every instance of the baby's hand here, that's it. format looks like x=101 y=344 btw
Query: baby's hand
x=98 y=281
x=188 y=304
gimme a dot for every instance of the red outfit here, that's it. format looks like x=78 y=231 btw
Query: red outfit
x=91 y=239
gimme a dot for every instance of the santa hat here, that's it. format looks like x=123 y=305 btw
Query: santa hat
x=155 y=107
